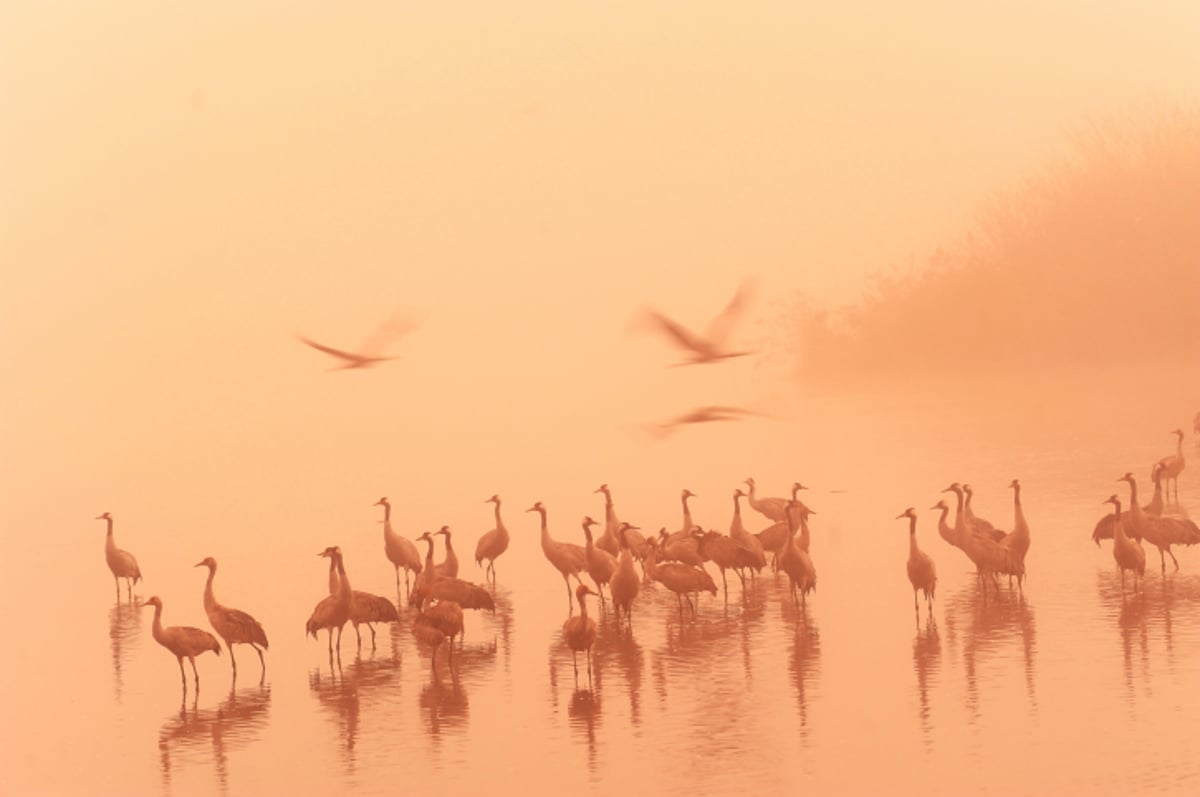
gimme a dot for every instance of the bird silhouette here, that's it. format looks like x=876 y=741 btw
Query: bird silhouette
x=369 y=353
x=712 y=346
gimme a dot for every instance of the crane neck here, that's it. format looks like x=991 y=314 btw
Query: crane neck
x=157 y=628
x=108 y=523
x=687 y=514
x=209 y=600
x=429 y=557
x=804 y=535
x=912 y=535
x=333 y=577
x=1133 y=499
x=343 y=581
x=496 y=512
x=387 y=512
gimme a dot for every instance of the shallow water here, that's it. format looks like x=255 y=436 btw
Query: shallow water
x=1066 y=687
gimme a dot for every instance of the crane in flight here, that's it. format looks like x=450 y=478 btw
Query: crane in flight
x=713 y=345
x=370 y=351
x=707 y=414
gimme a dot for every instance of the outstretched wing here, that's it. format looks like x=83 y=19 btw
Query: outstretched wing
x=719 y=329
x=682 y=336
x=394 y=327
x=344 y=355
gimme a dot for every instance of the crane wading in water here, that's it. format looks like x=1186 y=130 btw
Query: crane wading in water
x=233 y=625
x=182 y=640
x=121 y=563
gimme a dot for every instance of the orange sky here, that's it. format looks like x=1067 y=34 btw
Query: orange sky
x=181 y=193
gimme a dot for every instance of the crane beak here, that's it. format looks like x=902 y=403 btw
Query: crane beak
x=198 y=564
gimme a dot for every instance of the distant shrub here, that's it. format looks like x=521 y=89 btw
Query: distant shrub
x=1095 y=259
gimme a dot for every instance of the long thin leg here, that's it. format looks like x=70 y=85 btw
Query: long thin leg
x=261 y=660
x=194 y=673
x=372 y=635
x=575 y=664
x=357 y=635
x=182 y=676
x=117 y=584
x=570 y=597
x=229 y=645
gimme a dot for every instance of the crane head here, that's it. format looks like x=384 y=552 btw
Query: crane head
x=967 y=490
x=153 y=600
x=686 y=494
x=1114 y=500
x=797 y=487
x=940 y=504
x=332 y=550
x=1014 y=484
x=910 y=513
x=1179 y=433
x=536 y=508
x=749 y=482
x=381 y=502
x=601 y=489
x=739 y=493
x=444 y=531
x=1128 y=477
x=954 y=487
x=588 y=523
x=208 y=562
x=495 y=499
x=105 y=516
x=583 y=589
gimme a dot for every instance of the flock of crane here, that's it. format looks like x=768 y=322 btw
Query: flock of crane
x=676 y=561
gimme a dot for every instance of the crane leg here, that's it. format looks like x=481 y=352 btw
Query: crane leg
x=570 y=597
x=372 y=635
x=356 y=634
x=1123 y=582
x=724 y=585
x=262 y=662
x=182 y=676
x=575 y=664
x=194 y=672
x=1172 y=555
x=232 y=660
x=588 y=655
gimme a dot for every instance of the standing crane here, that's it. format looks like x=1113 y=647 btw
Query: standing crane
x=771 y=508
x=1161 y=532
x=795 y=561
x=334 y=609
x=976 y=522
x=600 y=564
x=443 y=588
x=1127 y=552
x=121 y=563
x=1017 y=541
x=1172 y=466
x=1104 y=526
x=449 y=566
x=608 y=540
x=568 y=559
x=401 y=551
x=493 y=543
x=182 y=640
x=233 y=625
x=743 y=538
x=921 y=571
x=625 y=584
x=579 y=632
x=364 y=608
x=681 y=579
x=724 y=553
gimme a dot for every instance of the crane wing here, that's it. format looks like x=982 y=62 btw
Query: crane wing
x=682 y=336
x=343 y=355
x=397 y=326
x=721 y=326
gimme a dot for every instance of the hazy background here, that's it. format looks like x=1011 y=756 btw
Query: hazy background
x=182 y=192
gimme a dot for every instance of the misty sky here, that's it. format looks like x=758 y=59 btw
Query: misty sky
x=183 y=190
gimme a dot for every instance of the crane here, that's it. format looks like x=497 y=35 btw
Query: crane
x=334 y=609
x=448 y=566
x=794 y=560
x=922 y=573
x=681 y=579
x=182 y=640
x=579 y=632
x=568 y=559
x=1017 y=541
x=364 y=608
x=401 y=551
x=600 y=564
x=1161 y=532
x=608 y=540
x=744 y=539
x=711 y=346
x=1172 y=465
x=493 y=543
x=624 y=586
x=121 y=563
x=1127 y=552
x=444 y=588
x=233 y=625
x=770 y=508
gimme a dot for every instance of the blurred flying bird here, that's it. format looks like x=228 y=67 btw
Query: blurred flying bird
x=712 y=346
x=370 y=350
x=705 y=414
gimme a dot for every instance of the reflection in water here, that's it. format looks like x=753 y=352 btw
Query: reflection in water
x=584 y=716
x=124 y=627
x=344 y=687
x=1142 y=617
x=805 y=662
x=993 y=619
x=504 y=617
x=445 y=703
x=231 y=725
x=618 y=645
x=927 y=652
